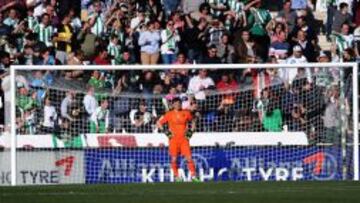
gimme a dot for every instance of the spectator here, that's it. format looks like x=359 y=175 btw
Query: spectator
x=99 y=120
x=90 y=102
x=140 y=119
x=297 y=123
x=272 y=118
x=39 y=83
x=114 y=50
x=66 y=103
x=287 y=15
x=63 y=39
x=12 y=19
x=331 y=10
x=211 y=57
x=169 y=38
x=102 y=57
x=227 y=85
x=279 y=48
x=46 y=58
x=126 y=58
x=45 y=30
x=341 y=16
x=181 y=59
x=26 y=102
x=50 y=117
x=246 y=49
x=215 y=32
x=87 y=41
x=297 y=57
x=258 y=19
x=332 y=118
x=195 y=39
x=226 y=51
x=199 y=84
x=303 y=26
x=306 y=46
x=149 y=42
x=344 y=39
x=97 y=80
x=97 y=19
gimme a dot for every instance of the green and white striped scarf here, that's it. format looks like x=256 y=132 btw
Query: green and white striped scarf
x=171 y=43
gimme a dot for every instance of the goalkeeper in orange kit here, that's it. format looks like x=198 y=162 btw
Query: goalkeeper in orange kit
x=179 y=135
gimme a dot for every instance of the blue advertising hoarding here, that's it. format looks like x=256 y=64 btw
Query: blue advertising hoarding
x=218 y=164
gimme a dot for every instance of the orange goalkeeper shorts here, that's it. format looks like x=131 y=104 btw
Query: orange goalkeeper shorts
x=179 y=147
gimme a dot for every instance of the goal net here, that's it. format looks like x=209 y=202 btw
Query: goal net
x=74 y=125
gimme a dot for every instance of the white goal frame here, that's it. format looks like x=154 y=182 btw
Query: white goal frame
x=355 y=94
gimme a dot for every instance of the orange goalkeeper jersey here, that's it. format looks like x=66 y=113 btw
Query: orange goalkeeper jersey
x=177 y=121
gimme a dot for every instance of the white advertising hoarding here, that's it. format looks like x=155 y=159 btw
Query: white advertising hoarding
x=159 y=140
x=200 y=139
x=44 y=167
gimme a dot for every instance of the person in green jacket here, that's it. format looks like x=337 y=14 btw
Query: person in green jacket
x=272 y=119
x=257 y=21
x=24 y=101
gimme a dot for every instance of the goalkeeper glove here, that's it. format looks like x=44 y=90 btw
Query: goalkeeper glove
x=189 y=134
x=168 y=133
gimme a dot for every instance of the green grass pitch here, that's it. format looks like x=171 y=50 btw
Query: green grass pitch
x=221 y=192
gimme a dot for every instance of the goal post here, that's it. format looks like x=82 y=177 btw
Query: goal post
x=273 y=123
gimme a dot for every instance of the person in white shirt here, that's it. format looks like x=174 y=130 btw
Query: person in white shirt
x=288 y=74
x=139 y=22
x=169 y=38
x=198 y=85
x=50 y=116
x=90 y=102
x=99 y=120
x=347 y=36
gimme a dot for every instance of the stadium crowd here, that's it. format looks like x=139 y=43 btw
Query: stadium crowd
x=126 y=32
